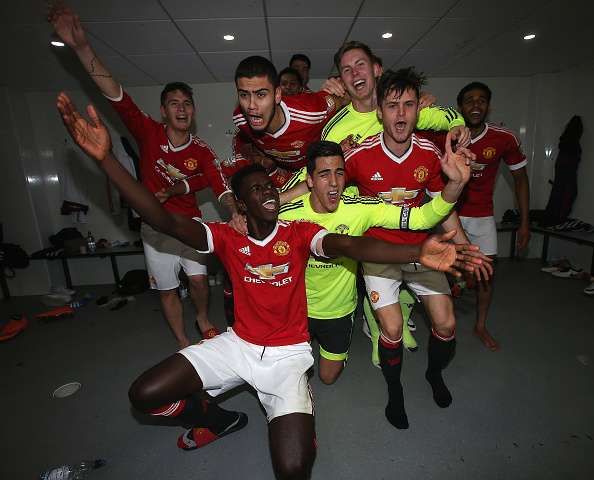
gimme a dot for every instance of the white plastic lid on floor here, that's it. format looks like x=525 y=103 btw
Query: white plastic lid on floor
x=66 y=390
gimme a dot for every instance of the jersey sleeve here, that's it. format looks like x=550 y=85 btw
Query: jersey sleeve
x=136 y=121
x=439 y=118
x=513 y=156
x=324 y=102
x=215 y=236
x=297 y=177
x=376 y=213
x=211 y=171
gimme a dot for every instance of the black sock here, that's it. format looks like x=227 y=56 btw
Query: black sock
x=204 y=413
x=439 y=353
x=391 y=365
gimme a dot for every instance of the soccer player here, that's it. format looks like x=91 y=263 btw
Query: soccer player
x=491 y=144
x=174 y=164
x=331 y=284
x=281 y=128
x=359 y=70
x=401 y=168
x=268 y=344
x=302 y=64
x=290 y=81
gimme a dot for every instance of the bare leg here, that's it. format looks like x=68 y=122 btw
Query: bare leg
x=169 y=381
x=199 y=294
x=173 y=311
x=484 y=295
x=330 y=370
x=292 y=445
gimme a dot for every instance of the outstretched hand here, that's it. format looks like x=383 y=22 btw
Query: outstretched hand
x=90 y=135
x=438 y=254
x=456 y=165
x=67 y=25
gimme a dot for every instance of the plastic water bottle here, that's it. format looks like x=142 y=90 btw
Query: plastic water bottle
x=72 y=472
x=91 y=245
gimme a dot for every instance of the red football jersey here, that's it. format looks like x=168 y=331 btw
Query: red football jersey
x=305 y=117
x=398 y=180
x=237 y=161
x=492 y=145
x=268 y=278
x=163 y=165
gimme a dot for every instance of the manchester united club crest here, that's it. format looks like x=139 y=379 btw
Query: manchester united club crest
x=421 y=173
x=342 y=229
x=489 y=153
x=281 y=248
x=190 y=163
x=374 y=296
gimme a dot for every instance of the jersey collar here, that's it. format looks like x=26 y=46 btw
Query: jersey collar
x=266 y=240
x=181 y=147
x=480 y=135
x=396 y=158
x=285 y=125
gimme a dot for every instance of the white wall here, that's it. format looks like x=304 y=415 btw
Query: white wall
x=35 y=146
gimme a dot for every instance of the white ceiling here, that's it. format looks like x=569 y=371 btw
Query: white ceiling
x=150 y=42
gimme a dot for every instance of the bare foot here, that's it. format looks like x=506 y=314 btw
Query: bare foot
x=485 y=337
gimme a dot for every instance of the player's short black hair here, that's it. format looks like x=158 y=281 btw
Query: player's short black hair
x=321 y=148
x=352 y=45
x=290 y=71
x=302 y=57
x=473 y=86
x=239 y=177
x=173 y=86
x=399 y=81
x=256 y=66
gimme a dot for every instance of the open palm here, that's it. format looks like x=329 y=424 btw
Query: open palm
x=90 y=135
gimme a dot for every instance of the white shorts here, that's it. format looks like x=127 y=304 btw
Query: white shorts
x=383 y=282
x=165 y=256
x=278 y=374
x=481 y=231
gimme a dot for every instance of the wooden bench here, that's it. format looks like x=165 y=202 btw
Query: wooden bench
x=581 y=238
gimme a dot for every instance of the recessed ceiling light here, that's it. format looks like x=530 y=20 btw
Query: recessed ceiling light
x=530 y=36
x=57 y=43
x=228 y=37
x=386 y=35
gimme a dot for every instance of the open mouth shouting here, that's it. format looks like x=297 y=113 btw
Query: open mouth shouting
x=270 y=205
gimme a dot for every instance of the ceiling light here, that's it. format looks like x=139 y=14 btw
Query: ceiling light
x=57 y=43
x=530 y=36
x=228 y=37
x=386 y=35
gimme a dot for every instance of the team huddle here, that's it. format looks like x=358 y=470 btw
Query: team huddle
x=323 y=189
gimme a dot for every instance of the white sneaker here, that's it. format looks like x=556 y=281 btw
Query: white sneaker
x=62 y=290
x=566 y=273
x=589 y=290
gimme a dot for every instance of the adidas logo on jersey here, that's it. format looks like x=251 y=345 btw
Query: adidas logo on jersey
x=165 y=148
x=377 y=177
x=245 y=250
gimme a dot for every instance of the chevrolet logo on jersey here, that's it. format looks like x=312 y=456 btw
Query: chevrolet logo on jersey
x=398 y=195
x=288 y=154
x=477 y=167
x=268 y=271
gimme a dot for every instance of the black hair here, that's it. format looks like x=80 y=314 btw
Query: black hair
x=352 y=45
x=173 y=86
x=302 y=57
x=473 y=86
x=256 y=66
x=399 y=81
x=321 y=148
x=239 y=177
x=290 y=71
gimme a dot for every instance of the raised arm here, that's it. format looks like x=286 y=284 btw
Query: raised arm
x=93 y=138
x=67 y=25
x=435 y=253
